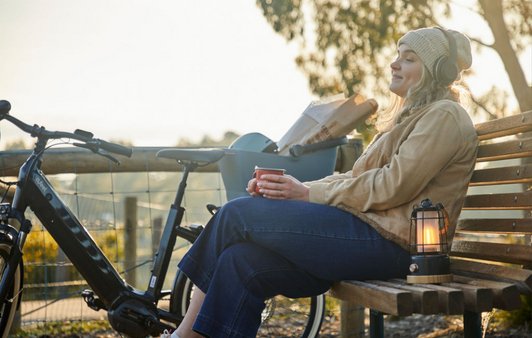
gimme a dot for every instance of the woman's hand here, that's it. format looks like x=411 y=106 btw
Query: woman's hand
x=279 y=187
x=252 y=184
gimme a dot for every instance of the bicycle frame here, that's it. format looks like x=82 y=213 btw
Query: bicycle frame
x=126 y=306
x=35 y=191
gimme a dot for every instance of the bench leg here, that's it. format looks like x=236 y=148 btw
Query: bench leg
x=472 y=324
x=376 y=324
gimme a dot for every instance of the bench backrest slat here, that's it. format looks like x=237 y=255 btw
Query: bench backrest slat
x=505 y=150
x=496 y=226
x=511 y=125
x=521 y=277
x=505 y=175
x=505 y=253
x=509 y=201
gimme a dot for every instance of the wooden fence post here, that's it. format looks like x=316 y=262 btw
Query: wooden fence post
x=352 y=316
x=130 y=240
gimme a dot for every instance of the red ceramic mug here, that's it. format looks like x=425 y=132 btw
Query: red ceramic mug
x=262 y=171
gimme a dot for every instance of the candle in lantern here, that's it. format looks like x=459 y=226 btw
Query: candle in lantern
x=428 y=234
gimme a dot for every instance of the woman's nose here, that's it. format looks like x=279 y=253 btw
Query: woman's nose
x=394 y=65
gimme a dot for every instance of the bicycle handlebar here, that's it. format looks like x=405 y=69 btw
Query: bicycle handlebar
x=5 y=107
x=87 y=138
x=115 y=148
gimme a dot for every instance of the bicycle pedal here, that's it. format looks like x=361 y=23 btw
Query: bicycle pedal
x=93 y=302
x=212 y=208
x=166 y=334
x=195 y=227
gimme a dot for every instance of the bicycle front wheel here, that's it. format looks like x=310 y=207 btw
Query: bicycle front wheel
x=8 y=307
x=282 y=317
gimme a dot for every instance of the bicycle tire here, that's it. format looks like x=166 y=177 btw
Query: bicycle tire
x=306 y=314
x=8 y=309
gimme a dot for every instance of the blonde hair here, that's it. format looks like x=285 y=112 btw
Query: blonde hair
x=426 y=91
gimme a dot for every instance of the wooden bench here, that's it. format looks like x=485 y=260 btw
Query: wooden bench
x=491 y=255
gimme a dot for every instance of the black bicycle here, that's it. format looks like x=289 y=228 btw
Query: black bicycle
x=130 y=311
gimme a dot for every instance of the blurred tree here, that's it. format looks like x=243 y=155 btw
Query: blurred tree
x=124 y=142
x=510 y=25
x=352 y=41
x=208 y=141
x=16 y=144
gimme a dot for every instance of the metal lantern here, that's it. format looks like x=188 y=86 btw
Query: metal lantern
x=428 y=244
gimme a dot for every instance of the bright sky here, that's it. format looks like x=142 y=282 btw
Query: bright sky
x=154 y=71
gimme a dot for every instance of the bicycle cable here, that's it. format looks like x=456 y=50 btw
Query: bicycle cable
x=10 y=184
x=6 y=192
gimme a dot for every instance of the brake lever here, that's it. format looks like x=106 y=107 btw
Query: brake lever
x=94 y=148
x=110 y=157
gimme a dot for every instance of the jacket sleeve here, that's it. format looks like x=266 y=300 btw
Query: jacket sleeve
x=340 y=176
x=330 y=178
x=432 y=144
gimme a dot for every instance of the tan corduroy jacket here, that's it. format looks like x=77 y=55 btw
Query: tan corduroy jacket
x=430 y=154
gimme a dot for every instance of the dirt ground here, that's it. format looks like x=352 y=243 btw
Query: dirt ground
x=415 y=326
x=418 y=326
x=434 y=326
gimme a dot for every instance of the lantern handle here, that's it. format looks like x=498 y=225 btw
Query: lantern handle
x=426 y=203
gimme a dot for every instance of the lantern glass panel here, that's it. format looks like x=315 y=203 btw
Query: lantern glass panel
x=428 y=231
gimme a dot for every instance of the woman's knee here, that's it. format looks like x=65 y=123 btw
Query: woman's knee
x=232 y=209
x=238 y=213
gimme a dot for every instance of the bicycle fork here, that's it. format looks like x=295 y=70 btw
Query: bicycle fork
x=15 y=239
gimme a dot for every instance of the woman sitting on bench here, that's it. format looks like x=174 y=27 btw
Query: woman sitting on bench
x=296 y=239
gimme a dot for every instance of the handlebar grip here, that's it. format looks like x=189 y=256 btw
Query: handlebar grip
x=115 y=148
x=297 y=149
x=5 y=107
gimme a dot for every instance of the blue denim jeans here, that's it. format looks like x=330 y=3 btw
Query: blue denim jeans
x=255 y=248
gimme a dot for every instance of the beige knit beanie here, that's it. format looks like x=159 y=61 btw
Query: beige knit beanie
x=430 y=44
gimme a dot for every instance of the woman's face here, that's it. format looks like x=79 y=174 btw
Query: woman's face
x=406 y=70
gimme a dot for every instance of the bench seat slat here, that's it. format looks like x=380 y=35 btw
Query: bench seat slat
x=505 y=126
x=505 y=295
x=508 y=201
x=450 y=300
x=506 y=253
x=497 y=226
x=476 y=298
x=424 y=300
x=385 y=299
x=522 y=278
x=504 y=150
x=505 y=175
